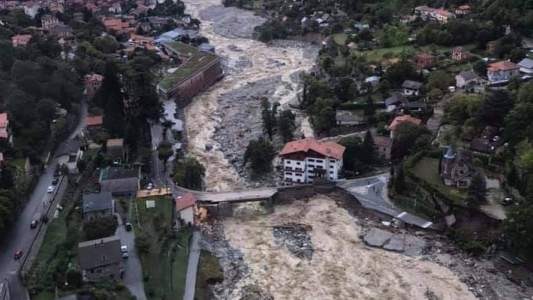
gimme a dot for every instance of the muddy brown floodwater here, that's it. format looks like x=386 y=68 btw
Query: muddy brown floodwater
x=342 y=266
x=245 y=60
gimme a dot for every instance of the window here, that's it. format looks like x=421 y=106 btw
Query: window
x=298 y=163
x=319 y=167
x=331 y=167
x=331 y=172
x=384 y=149
x=104 y=257
x=332 y=161
x=288 y=174
x=311 y=159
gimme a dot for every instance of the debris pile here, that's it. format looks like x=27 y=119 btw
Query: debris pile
x=399 y=242
x=296 y=237
x=255 y=292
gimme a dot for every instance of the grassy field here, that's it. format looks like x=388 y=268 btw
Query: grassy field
x=340 y=38
x=165 y=264
x=427 y=169
x=379 y=54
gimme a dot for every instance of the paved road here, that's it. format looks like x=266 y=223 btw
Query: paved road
x=21 y=235
x=192 y=267
x=371 y=192
x=133 y=275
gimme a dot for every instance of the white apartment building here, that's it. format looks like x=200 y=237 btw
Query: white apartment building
x=305 y=160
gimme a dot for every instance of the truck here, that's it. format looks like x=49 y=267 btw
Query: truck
x=35 y=220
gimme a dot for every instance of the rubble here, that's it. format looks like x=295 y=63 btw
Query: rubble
x=232 y=22
x=296 y=237
x=255 y=292
x=403 y=242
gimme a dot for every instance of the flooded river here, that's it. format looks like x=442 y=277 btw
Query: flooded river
x=224 y=28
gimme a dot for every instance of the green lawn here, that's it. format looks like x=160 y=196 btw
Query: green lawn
x=340 y=38
x=378 y=54
x=427 y=169
x=179 y=264
x=165 y=265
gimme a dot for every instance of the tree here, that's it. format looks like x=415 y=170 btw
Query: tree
x=165 y=151
x=110 y=97
x=405 y=137
x=495 y=107
x=370 y=109
x=519 y=227
x=286 y=125
x=477 y=190
x=480 y=67
x=462 y=108
x=439 y=80
x=368 y=148
x=189 y=174
x=74 y=277
x=345 y=90
x=143 y=92
x=100 y=228
x=323 y=115
x=355 y=153
x=259 y=154
x=399 y=181
x=142 y=243
x=269 y=116
x=399 y=72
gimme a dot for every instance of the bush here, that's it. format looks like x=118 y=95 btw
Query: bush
x=100 y=228
x=466 y=243
x=119 y=286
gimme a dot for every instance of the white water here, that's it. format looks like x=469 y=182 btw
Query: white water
x=199 y=120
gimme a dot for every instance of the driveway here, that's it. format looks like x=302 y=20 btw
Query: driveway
x=21 y=236
x=133 y=274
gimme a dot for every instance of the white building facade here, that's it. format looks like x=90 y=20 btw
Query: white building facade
x=307 y=160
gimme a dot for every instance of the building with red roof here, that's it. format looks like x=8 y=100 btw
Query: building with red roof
x=425 y=60
x=308 y=159
x=94 y=123
x=402 y=119
x=21 y=40
x=5 y=130
x=92 y=84
x=186 y=210
x=502 y=71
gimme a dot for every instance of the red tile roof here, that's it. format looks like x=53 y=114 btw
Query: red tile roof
x=503 y=65
x=94 y=121
x=407 y=118
x=187 y=200
x=94 y=77
x=328 y=149
x=3 y=120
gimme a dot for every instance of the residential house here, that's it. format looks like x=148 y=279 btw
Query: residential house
x=97 y=206
x=502 y=71
x=115 y=150
x=411 y=88
x=463 y=10
x=361 y=26
x=484 y=146
x=306 y=160
x=395 y=101
x=526 y=66
x=383 y=146
x=402 y=119
x=48 y=21
x=346 y=118
x=457 y=169
x=372 y=80
x=92 y=84
x=94 y=123
x=60 y=30
x=425 y=60
x=21 y=40
x=186 y=210
x=433 y=14
x=415 y=105
x=466 y=78
x=119 y=26
x=5 y=129
x=120 y=181
x=101 y=259
x=68 y=154
x=460 y=53
x=31 y=8
x=491 y=46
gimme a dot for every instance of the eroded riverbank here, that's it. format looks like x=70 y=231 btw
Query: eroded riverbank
x=247 y=62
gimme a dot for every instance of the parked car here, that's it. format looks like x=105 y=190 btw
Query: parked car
x=506 y=201
x=55 y=181
x=128 y=226
x=17 y=254
x=50 y=189
x=124 y=250
x=150 y=186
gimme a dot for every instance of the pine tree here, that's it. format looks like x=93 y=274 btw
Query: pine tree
x=259 y=153
x=477 y=190
x=286 y=125
x=111 y=99
x=269 y=116
x=399 y=181
x=368 y=148
x=370 y=109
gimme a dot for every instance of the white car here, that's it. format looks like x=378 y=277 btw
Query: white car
x=124 y=250
x=50 y=189
x=150 y=186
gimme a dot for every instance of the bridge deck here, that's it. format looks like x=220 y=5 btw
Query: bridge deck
x=236 y=196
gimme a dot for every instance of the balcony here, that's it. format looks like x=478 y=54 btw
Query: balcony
x=293 y=169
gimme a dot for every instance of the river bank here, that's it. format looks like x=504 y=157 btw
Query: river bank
x=221 y=121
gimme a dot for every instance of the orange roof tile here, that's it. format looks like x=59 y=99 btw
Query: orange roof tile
x=407 y=118
x=187 y=200
x=503 y=65
x=328 y=149
x=94 y=121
